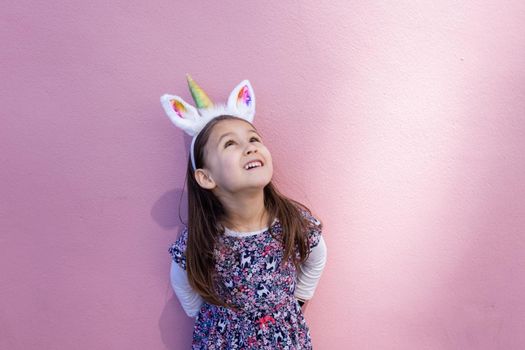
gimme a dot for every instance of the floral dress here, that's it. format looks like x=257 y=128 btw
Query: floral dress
x=249 y=276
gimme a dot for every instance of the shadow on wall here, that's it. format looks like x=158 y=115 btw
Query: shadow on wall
x=175 y=326
x=170 y=212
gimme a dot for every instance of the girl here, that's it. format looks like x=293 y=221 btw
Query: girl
x=249 y=257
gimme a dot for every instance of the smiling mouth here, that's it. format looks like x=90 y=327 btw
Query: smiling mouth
x=253 y=165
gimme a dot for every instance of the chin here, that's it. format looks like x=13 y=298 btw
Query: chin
x=258 y=185
x=261 y=184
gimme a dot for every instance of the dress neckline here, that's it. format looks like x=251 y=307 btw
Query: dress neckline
x=232 y=233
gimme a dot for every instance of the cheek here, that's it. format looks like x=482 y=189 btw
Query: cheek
x=229 y=163
x=267 y=153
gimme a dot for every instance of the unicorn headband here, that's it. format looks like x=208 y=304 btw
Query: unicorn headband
x=241 y=103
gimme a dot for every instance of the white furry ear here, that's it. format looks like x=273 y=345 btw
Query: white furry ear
x=182 y=114
x=242 y=100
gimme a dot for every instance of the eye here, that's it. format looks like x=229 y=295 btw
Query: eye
x=231 y=141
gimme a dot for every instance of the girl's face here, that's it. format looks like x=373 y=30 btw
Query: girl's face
x=232 y=145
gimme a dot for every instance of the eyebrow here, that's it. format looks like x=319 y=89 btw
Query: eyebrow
x=232 y=133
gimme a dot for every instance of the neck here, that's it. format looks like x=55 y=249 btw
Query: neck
x=245 y=212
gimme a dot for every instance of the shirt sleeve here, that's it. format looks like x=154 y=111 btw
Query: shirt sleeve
x=189 y=299
x=178 y=249
x=315 y=229
x=312 y=268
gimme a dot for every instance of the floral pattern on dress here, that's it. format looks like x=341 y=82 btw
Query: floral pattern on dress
x=252 y=276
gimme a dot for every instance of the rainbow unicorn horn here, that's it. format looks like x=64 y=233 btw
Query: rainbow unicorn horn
x=199 y=96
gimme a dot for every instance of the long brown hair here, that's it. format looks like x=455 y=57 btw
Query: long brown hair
x=205 y=212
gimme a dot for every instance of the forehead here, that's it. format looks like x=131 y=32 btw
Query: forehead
x=229 y=125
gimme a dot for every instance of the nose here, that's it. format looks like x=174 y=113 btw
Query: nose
x=251 y=148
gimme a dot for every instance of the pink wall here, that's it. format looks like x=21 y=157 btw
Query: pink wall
x=402 y=126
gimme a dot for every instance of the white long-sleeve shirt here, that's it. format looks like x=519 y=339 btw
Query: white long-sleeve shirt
x=307 y=277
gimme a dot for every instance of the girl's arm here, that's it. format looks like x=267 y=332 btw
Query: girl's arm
x=190 y=300
x=310 y=271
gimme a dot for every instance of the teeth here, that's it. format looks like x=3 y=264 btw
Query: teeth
x=252 y=165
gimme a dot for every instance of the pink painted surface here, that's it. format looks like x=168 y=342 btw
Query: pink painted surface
x=401 y=125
